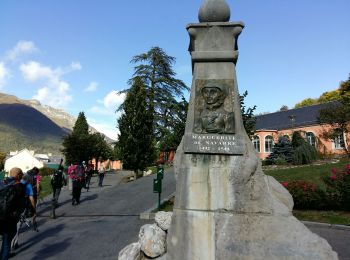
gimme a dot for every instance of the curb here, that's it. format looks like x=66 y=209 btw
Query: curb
x=148 y=214
x=332 y=226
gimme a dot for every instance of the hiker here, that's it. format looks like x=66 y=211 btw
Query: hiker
x=77 y=176
x=12 y=205
x=58 y=179
x=89 y=170
x=35 y=179
x=101 y=174
x=29 y=210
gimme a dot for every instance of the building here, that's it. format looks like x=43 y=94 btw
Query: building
x=23 y=159
x=270 y=127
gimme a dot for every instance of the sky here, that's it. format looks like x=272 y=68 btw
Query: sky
x=75 y=54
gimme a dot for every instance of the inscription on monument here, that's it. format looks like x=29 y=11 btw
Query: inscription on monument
x=212 y=144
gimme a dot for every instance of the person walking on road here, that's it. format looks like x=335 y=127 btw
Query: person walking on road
x=58 y=179
x=89 y=170
x=77 y=176
x=101 y=174
x=12 y=193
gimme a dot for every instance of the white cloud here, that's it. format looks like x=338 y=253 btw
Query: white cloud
x=113 y=99
x=34 y=71
x=55 y=92
x=4 y=74
x=75 y=66
x=22 y=47
x=108 y=129
x=92 y=87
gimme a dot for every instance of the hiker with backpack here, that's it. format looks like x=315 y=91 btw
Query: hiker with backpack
x=58 y=179
x=78 y=178
x=12 y=204
x=34 y=179
x=29 y=209
x=89 y=170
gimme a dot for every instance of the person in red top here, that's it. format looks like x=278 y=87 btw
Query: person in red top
x=76 y=173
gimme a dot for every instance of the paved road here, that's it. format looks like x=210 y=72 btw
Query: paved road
x=108 y=219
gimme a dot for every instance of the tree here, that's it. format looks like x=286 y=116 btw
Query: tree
x=163 y=89
x=249 y=120
x=304 y=153
x=136 y=142
x=77 y=145
x=282 y=152
x=100 y=149
x=2 y=160
x=306 y=102
x=81 y=126
x=338 y=117
x=284 y=108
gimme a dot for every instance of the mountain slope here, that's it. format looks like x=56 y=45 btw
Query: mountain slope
x=27 y=123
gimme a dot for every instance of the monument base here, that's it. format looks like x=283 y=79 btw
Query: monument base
x=222 y=236
x=227 y=208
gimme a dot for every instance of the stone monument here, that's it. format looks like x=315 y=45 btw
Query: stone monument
x=225 y=207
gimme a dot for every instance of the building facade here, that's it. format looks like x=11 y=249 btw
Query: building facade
x=270 y=127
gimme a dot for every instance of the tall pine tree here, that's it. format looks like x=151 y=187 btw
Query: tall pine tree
x=164 y=89
x=136 y=142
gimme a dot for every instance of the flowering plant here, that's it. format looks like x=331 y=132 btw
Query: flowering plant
x=338 y=189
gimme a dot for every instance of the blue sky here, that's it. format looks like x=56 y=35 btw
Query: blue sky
x=74 y=54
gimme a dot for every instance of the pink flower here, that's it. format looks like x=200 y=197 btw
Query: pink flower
x=285 y=183
x=334 y=171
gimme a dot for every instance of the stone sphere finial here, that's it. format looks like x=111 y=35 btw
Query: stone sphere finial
x=214 y=11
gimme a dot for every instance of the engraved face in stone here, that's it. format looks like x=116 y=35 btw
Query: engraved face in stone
x=213 y=95
x=213 y=118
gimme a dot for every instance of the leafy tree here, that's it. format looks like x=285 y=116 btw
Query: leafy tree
x=304 y=153
x=81 y=145
x=249 y=120
x=163 y=88
x=2 y=160
x=136 y=143
x=174 y=133
x=100 y=149
x=284 y=108
x=338 y=116
x=329 y=96
x=306 y=102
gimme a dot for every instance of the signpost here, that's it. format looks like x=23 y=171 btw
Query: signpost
x=157 y=183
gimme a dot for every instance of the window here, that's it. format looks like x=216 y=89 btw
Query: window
x=311 y=139
x=268 y=144
x=339 y=141
x=256 y=143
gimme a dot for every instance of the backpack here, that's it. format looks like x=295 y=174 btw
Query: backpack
x=57 y=179
x=12 y=199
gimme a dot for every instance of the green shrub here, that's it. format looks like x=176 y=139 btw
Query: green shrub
x=282 y=152
x=338 y=189
x=306 y=195
x=46 y=171
x=281 y=160
x=304 y=153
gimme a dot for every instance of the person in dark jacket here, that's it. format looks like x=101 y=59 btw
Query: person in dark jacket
x=58 y=179
x=8 y=226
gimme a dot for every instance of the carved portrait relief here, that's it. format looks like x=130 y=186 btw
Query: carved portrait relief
x=211 y=116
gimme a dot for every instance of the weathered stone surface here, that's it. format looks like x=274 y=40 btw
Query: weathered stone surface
x=130 y=252
x=214 y=11
x=163 y=219
x=152 y=240
x=226 y=207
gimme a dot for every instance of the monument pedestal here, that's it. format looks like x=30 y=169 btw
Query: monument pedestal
x=225 y=206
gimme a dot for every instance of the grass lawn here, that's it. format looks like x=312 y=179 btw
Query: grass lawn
x=311 y=173
x=330 y=217
x=45 y=186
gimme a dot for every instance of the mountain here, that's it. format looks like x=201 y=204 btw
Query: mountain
x=28 y=123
